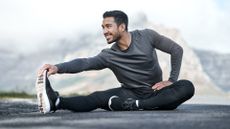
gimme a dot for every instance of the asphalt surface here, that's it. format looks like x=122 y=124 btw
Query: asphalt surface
x=23 y=115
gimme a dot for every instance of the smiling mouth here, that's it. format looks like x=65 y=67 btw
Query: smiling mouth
x=107 y=37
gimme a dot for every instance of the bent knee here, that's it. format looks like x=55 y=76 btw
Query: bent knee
x=187 y=88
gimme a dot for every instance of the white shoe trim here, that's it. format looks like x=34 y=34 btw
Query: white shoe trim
x=43 y=100
x=137 y=103
x=110 y=101
x=57 y=102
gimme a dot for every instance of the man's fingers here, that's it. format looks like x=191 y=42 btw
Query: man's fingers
x=156 y=86
x=40 y=72
x=160 y=87
x=52 y=69
x=50 y=72
x=44 y=67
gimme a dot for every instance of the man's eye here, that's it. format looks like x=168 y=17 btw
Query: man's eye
x=109 y=26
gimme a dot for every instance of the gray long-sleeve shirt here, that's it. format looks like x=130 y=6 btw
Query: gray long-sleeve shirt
x=135 y=68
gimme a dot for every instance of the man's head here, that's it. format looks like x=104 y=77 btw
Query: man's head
x=119 y=17
x=114 y=24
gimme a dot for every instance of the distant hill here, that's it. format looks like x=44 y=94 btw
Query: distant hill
x=217 y=66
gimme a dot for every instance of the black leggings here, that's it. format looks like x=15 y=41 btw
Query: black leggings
x=167 y=98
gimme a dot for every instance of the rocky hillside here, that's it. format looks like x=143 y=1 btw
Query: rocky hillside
x=217 y=66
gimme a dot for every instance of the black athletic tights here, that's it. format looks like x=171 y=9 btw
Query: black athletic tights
x=167 y=98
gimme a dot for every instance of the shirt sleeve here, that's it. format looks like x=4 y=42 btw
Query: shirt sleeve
x=82 y=64
x=169 y=46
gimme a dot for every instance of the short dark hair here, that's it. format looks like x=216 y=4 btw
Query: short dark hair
x=119 y=16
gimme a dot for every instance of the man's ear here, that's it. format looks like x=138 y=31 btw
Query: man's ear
x=122 y=27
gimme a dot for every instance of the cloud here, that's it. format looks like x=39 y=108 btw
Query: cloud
x=204 y=24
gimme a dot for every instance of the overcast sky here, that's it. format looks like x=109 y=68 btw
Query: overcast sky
x=204 y=24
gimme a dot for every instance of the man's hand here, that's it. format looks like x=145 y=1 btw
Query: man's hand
x=161 y=85
x=52 y=69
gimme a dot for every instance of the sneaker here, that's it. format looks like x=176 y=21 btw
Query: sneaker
x=47 y=97
x=130 y=105
x=114 y=104
x=117 y=104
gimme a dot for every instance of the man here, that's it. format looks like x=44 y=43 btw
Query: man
x=133 y=60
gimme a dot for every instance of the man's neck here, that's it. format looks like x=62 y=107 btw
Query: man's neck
x=125 y=41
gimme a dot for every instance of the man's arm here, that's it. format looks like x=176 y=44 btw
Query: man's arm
x=81 y=64
x=167 y=45
x=75 y=66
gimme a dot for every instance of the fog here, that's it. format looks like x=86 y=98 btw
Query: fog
x=26 y=25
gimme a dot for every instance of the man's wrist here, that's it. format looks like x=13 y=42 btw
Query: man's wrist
x=171 y=80
x=57 y=66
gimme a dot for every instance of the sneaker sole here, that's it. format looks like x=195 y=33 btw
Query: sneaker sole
x=43 y=100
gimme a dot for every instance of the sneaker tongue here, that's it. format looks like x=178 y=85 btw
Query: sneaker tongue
x=130 y=105
x=46 y=73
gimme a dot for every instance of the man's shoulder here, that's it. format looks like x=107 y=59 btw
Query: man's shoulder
x=148 y=33
x=144 y=32
x=105 y=51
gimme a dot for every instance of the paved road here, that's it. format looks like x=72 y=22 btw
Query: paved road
x=188 y=116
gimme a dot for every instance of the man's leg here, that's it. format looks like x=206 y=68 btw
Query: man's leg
x=169 y=97
x=49 y=100
x=93 y=101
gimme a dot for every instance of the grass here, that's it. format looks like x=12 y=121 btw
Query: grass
x=26 y=95
x=15 y=95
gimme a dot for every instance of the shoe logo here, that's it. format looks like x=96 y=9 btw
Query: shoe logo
x=40 y=105
x=40 y=80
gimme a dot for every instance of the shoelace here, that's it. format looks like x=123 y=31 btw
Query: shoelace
x=129 y=104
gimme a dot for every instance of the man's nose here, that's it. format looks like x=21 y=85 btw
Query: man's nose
x=105 y=31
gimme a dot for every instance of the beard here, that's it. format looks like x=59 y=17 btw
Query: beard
x=112 y=37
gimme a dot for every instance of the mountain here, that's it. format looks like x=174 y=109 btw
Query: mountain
x=217 y=66
x=19 y=70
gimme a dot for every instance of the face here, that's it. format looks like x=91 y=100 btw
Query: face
x=111 y=31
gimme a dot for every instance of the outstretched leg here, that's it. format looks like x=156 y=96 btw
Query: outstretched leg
x=50 y=101
x=93 y=101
